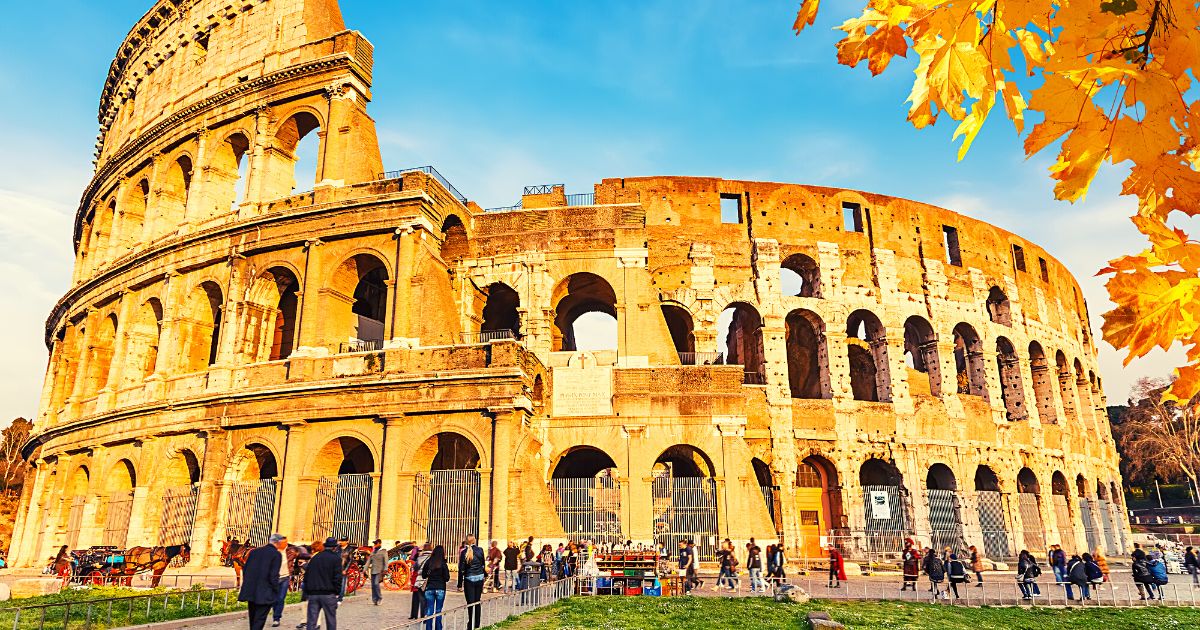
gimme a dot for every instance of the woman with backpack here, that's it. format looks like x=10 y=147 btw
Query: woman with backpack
x=1076 y=575
x=1141 y=576
x=1095 y=573
x=470 y=579
x=936 y=572
x=956 y=572
x=434 y=576
x=1027 y=574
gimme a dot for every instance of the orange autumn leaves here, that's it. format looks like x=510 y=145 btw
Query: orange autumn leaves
x=1112 y=82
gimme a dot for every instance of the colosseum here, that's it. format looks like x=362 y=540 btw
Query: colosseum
x=247 y=346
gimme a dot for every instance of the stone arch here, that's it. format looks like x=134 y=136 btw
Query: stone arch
x=227 y=176
x=79 y=482
x=878 y=472
x=358 y=295
x=200 y=326
x=1012 y=390
x=281 y=158
x=275 y=296
x=455 y=243
x=343 y=455
x=1027 y=482
x=940 y=477
x=183 y=469
x=67 y=352
x=1058 y=484
x=969 y=361
x=103 y=243
x=808 y=355
x=501 y=311
x=144 y=338
x=583 y=462
x=999 y=309
x=744 y=341
x=1101 y=490
x=1081 y=486
x=921 y=355
x=447 y=450
x=1066 y=386
x=134 y=208
x=818 y=502
x=683 y=460
x=254 y=461
x=866 y=346
x=170 y=208
x=986 y=479
x=1083 y=390
x=1043 y=390
x=682 y=329
x=102 y=347
x=576 y=296
x=800 y=276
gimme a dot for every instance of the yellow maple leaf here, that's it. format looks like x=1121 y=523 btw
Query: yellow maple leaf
x=807 y=15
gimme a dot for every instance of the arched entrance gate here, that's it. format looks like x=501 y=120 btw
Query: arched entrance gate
x=343 y=506
x=684 y=500
x=587 y=495
x=446 y=499
x=250 y=514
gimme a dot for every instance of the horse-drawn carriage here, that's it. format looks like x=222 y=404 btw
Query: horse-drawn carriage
x=112 y=566
x=398 y=571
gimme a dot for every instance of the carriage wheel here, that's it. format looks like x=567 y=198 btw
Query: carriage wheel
x=95 y=578
x=397 y=576
x=354 y=579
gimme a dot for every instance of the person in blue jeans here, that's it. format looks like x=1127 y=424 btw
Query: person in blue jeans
x=436 y=574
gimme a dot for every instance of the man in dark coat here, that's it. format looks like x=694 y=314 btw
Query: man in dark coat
x=323 y=585
x=260 y=578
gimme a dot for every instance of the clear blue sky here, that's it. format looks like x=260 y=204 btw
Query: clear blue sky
x=500 y=95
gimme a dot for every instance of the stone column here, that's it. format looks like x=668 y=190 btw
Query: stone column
x=390 y=482
x=193 y=208
x=636 y=487
x=257 y=175
x=116 y=367
x=401 y=326
x=208 y=527
x=296 y=501
x=309 y=331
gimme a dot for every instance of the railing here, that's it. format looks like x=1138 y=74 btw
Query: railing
x=540 y=189
x=487 y=336
x=430 y=171
x=516 y=206
x=702 y=358
x=496 y=609
x=359 y=345
x=753 y=378
x=120 y=611
x=581 y=199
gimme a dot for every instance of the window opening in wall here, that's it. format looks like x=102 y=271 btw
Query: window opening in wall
x=731 y=208
x=852 y=217
x=1019 y=257
x=998 y=307
x=800 y=276
x=200 y=50
x=950 y=240
x=306 y=163
x=1045 y=271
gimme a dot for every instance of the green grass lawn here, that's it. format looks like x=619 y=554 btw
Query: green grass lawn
x=703 y=613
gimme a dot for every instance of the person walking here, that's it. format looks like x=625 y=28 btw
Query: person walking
x=511 y=554
x=977 y=565
x=780 y=559
x=285 y=579
x=1027 y=574
x=494 y=558
x=936 y=572
x=754 y=566
x=837 y=567
x=435 y=574
x=956 y=573
x=1058 y=564
x=693 y=568
x=685 y=566
x=323 y=585
x=377 y=564
x=470 y=579
x=420 y=555
x=911 y=564
x=347 y=555
x=1191 y=564
x=260 y=581
x=1077 y=575
x=726 y=561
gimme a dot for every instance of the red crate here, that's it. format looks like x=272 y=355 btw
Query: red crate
x=633 y=590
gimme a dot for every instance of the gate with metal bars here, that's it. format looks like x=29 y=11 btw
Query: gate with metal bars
x=771 y=498
x=1062 y=516
x=1032 y=528
x=74 y=521
x=1089 y=523
x=945 y=521
x=251 y=512
x=343 y=508
x=1106 y=523
x=178 y=515
x=993 y=523
x=446 y=507
x=588 y=508
x=885 y=513
x=685 y=508
x=116 y=520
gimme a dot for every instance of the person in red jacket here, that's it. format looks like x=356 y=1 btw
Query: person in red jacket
x=837 y=568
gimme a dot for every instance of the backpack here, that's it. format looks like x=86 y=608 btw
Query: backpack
x=1141 y=571
x=1094 y=573
x=1078 y=572
x=1033 y=571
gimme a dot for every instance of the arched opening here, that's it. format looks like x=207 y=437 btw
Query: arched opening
x=683 y=335
x=684 y=499
x=201 y=327
x=226 y=180
x=363 y=279
x=808 y=355
x=1084 y=390
x=343 y=504
x=454 y=240
x=770 y=492
x=818 y=503
x=251 y=512
x=587 y=495
x=800 y=276
x=742 y=326
x=101 y=356
x=446 y=498
x=998 y=307
x=273 y=304
x=968 y=362
x=866 y=346
x=501 y=313
x=283 y=337
x=585 y=314
x=87 y=258
x=171 y=207
x=1012 y=391
x=181 y=490
x=1043 y=390
x=1029 y=504
x=103 y=243
x=921 y=357
x=145 y=335
x=67 y=352
x=1087 y=513
x=134 y=208
x=993 y=513
x=293 y=166
x=945 y=517
x=77 y=493
x=118 y=507
x=1059 y=497
x=885 y=506
x=1066 y=389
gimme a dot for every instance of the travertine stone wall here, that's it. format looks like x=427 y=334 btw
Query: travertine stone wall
x=226 y=327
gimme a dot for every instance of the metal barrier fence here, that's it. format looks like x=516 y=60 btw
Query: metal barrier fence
x=343 y=507
x=496 y=608
x=251 y=511
x=446 y=506
x=582 y=199
x=685 y=508
x=428 y=170
x=702 y=358
x=116 y=519
x=178 y=515
x=588 y=508
x=123 y=611
x=360 y=345
x=487 y=336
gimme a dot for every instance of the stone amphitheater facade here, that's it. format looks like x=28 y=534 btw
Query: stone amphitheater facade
x=380 y=357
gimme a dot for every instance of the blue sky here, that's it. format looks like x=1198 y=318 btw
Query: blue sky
x=498 y=96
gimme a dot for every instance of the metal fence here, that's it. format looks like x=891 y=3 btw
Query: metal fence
x=945 y=520
x=1106 y=524
x=75 y=521
x=446 y=507
x=120 y=611
x=702 y=358
x=588 y=508
x=685 y=508
x=1032 y=529
x=497 y=608
x=886 y=514
x=486 y=336
x=251 y=511
x=178 y=515
x=1062 y=518
x=343 y=508
x=430 y=171
x=116 y=519
x=360 y=345
x=993 y=523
